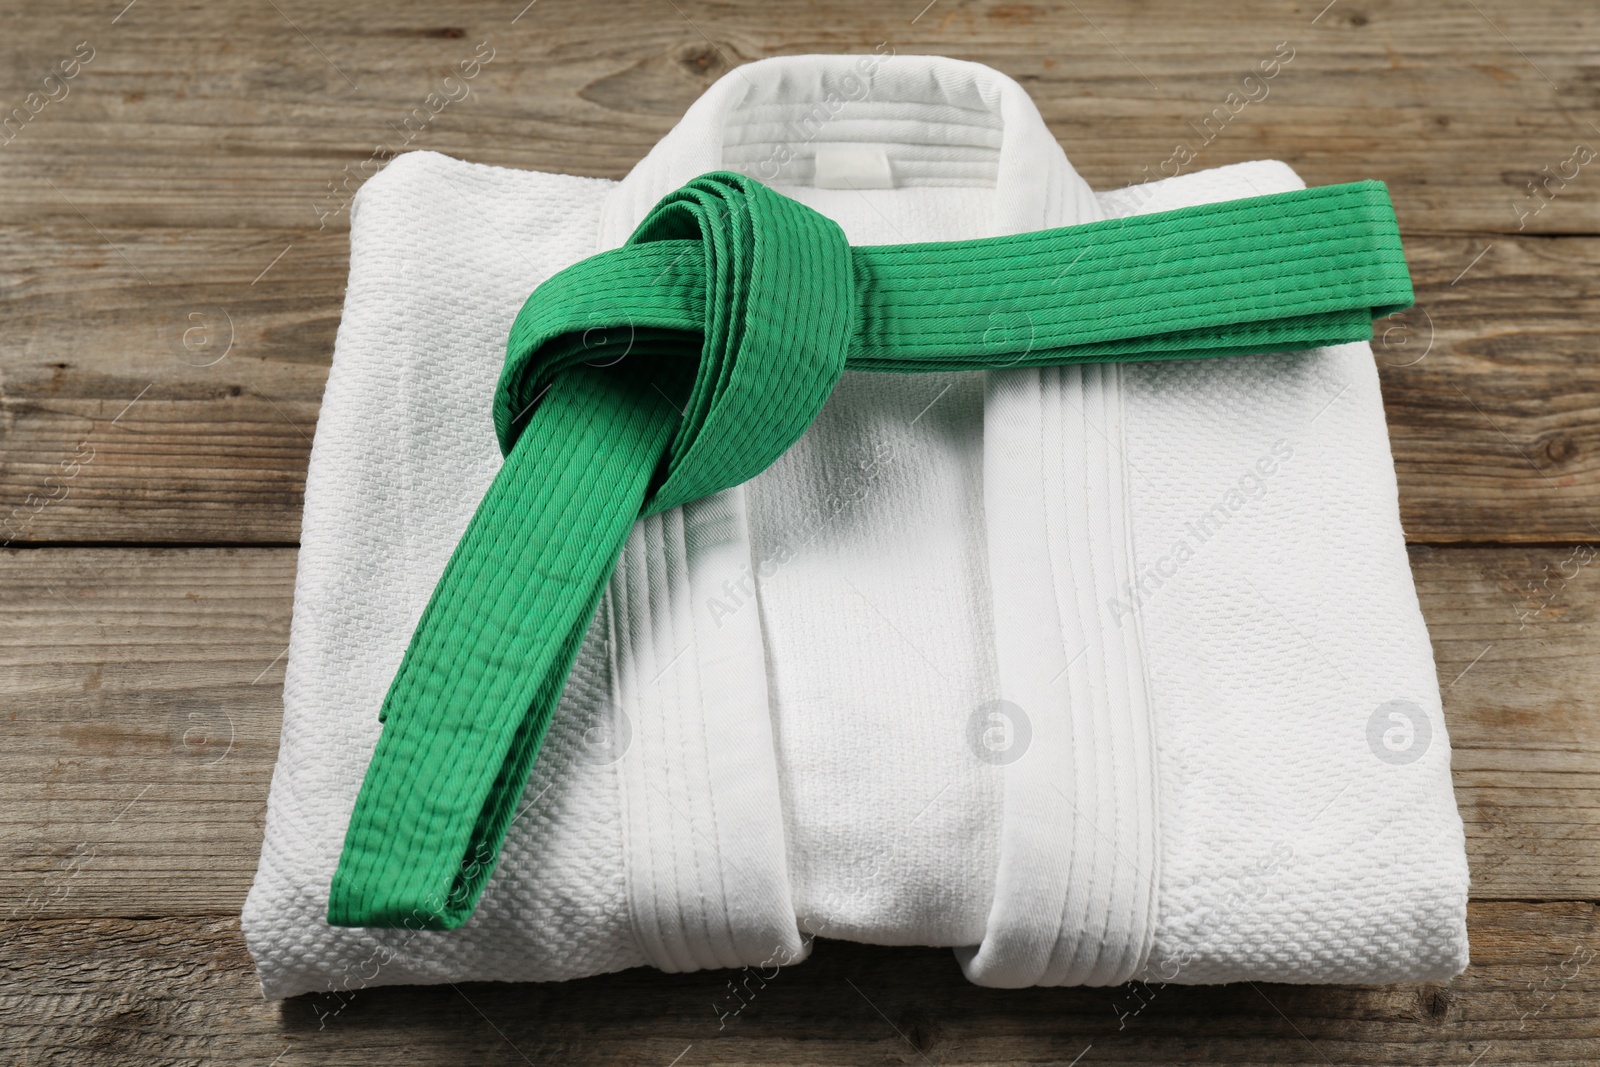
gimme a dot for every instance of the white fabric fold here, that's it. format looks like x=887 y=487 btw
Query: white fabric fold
x=1073 y=670
x=702 y=823
x=1076 y=889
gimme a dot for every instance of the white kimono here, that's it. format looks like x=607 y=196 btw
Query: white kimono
x=1091 y=673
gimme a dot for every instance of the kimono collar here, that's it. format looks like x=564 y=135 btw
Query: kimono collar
x=936 y=122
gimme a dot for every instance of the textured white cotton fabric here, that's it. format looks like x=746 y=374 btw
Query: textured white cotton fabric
x=1090 y=673
x=1279 y=617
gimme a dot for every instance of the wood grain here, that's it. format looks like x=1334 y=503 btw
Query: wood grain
x=1514 y=638
x=195 y=115
x=143 y=697
x=1491 y=386
x=193 y=400
x=182 y=991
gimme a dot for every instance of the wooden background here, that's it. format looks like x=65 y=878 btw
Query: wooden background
x=151 y=491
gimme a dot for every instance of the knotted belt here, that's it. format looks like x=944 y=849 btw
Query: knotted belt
x=687 y=361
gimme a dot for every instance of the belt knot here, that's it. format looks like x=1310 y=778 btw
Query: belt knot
x=747 y=294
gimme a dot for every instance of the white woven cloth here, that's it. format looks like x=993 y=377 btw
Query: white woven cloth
x=1089 y=673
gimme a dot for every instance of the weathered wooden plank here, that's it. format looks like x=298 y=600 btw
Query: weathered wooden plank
x=239 y=116
x=1492 y=390
x=1516 y=634
x=1492 y=384
x=179 y=410
x=141 y=692
x=182 y=991
x=142 y=696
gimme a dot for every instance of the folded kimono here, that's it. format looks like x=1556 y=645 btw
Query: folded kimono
x=1092 y=672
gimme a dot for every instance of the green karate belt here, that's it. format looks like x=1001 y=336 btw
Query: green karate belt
x=687 y=361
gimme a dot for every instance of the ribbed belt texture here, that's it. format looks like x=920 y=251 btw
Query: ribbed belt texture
x=689 y=359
